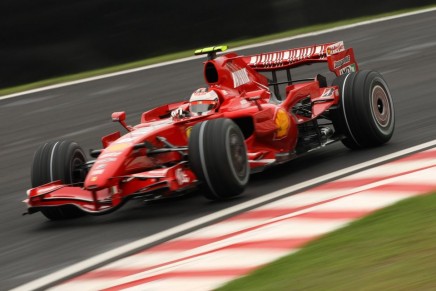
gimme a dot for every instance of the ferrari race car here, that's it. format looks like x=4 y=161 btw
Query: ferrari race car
x=253 y=121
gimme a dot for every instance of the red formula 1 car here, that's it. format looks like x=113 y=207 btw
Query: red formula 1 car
x=245 y=121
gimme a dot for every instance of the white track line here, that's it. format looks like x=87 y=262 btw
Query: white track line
x=198 y=57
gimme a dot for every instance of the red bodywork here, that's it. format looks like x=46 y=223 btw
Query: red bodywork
x=131 y=165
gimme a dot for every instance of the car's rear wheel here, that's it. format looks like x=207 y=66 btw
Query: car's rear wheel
x=366 y=114
x=59 y=160
x=218 y=156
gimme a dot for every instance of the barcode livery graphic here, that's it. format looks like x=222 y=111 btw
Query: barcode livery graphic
x=288 y=56
x=240 y=77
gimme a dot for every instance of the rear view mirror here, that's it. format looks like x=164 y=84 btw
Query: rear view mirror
x=121 y=117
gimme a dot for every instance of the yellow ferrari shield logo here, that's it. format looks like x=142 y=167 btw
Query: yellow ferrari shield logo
x=282 y=123
x=188 y=131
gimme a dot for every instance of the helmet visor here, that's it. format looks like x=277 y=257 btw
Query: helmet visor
x=202 y=106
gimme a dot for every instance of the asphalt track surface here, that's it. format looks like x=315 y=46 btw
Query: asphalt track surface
x=403 y=50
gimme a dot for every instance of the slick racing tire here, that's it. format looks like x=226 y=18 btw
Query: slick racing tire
x=59 y=160
x=366 y=114
x=218 y=156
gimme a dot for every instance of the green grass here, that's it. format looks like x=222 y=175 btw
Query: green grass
x=392 y=249
x=178 y=55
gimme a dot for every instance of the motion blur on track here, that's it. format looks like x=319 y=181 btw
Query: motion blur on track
x=33 y=247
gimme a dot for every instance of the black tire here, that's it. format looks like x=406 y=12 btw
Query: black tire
x=218 y=156
x=59 y=160
x=366 y=113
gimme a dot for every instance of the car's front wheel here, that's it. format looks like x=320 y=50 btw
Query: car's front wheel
x=218 y=156
x=59 y=160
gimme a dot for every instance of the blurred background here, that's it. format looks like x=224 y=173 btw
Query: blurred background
x=44 y=39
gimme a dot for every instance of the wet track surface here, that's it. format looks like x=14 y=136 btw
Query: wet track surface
x=402 y=50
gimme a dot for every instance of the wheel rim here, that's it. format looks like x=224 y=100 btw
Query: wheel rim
x=238 y=155
x=381 y=106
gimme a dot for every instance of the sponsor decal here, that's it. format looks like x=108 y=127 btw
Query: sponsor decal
x=143 y=130
x=109 y=155
x=93 y=179
x=348 y=69
x=118 y=147
x=282 y=123
x=105 y=160
x=327 y=92
x=335 y=48
x=97 y=172
x=240 y=77
x=224 y=92
x=341 y=62
x=46 y=189
x=125 y=139
x=100 y=166
x=181 y=177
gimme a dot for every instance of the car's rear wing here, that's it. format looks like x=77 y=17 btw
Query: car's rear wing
x=339 y=59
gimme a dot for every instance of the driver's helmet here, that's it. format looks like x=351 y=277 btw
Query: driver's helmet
x=203 y=101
